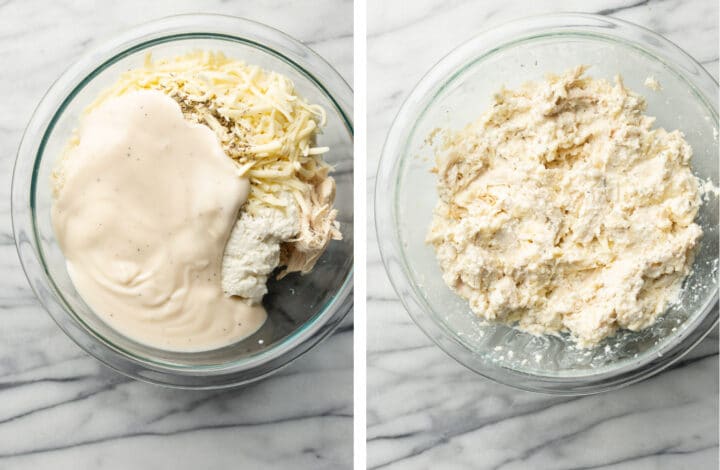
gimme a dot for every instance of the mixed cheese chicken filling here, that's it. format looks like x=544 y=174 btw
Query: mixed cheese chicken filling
x=563 y=209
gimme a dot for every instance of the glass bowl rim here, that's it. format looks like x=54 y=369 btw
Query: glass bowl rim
x=170 y=29
x=423 y=95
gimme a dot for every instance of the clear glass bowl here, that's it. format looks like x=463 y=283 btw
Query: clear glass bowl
x=453 y=94
x=302 y=309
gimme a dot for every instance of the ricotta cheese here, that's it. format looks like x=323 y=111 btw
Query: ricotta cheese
x=253 y=249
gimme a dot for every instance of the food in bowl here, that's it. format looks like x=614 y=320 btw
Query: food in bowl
x=561 y=209
x=186 y=185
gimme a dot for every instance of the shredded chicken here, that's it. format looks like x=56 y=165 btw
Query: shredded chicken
x=317 y=228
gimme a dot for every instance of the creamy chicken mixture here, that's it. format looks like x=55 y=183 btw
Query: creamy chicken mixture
x=563 y=209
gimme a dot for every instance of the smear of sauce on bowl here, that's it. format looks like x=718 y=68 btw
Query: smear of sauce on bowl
x=146 y=206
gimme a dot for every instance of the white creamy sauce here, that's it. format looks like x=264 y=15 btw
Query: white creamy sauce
x=146 y=205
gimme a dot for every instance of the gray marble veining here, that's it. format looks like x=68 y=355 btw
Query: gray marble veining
x=59 y=408
x=425 y=411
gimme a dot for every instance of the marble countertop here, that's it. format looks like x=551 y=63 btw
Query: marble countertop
x=425 y=411
x=60 y=408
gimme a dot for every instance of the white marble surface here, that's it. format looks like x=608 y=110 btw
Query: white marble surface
x=59 y=408
x=424 y=410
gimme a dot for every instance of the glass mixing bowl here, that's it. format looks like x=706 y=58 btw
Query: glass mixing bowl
x=453 y=94
x=301 y=309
